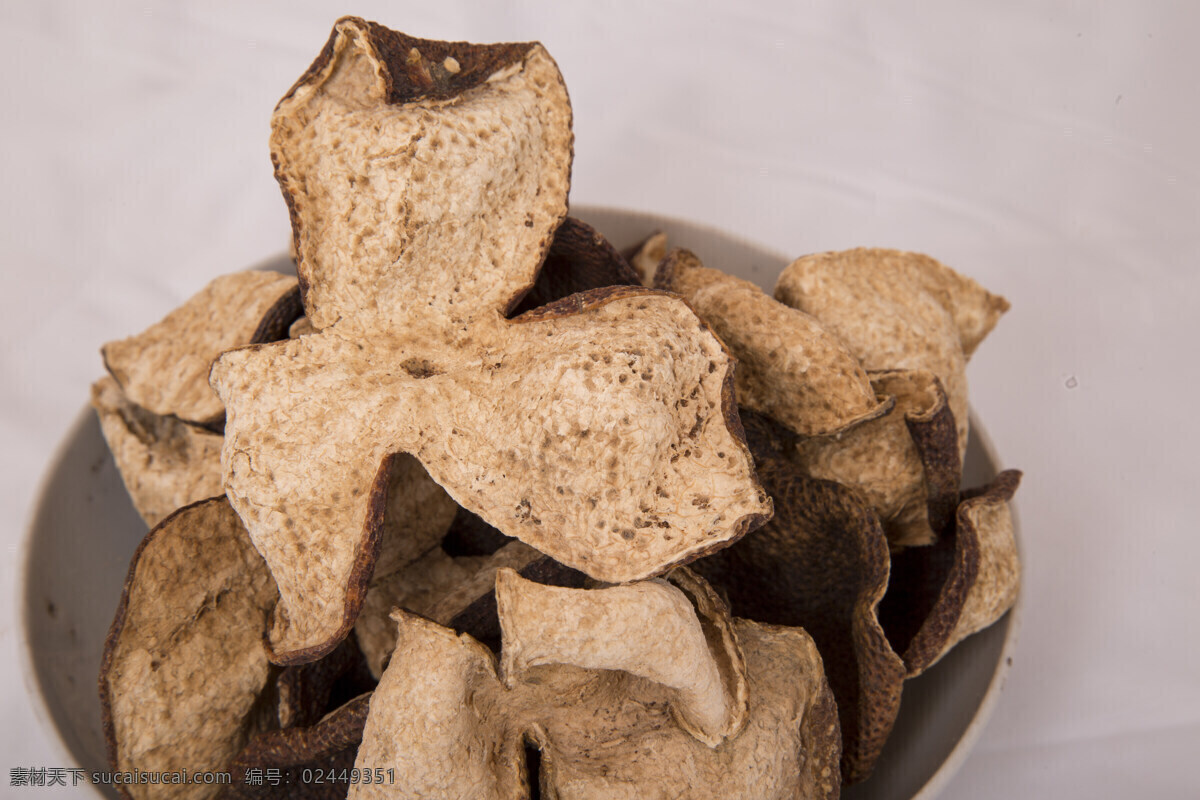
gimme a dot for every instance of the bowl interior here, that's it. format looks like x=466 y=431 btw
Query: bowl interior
x=85 y=531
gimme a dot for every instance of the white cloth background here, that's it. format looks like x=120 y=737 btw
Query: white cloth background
x=1047 y=149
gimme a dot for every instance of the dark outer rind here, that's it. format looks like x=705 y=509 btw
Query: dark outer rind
x=919 y=573
x=476 y=62
x=279 y=317
x=481 y=619
x=331 y=743
x=360 y=574
x=821 y=735
x=935 y=436
x=944 y=571
x=469 y=535
x=820 y=564
x=579 y=258
x=307 y=692
x=114 y=633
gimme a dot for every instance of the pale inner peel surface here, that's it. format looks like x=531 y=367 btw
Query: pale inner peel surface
x=599 y=438
x=165 y=463
x=648 y=629
x=164 y=369
x=789 y=366
x=428 y=200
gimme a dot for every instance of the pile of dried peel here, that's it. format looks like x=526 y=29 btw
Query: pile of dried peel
x=420 y=517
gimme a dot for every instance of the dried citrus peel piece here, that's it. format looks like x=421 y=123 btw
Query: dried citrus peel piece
x=184 y=666
x=378 y=103
x=882 y=460
x=605 y=735
x=438 y=720
x=896 y=310
x=941 y=594
x=164 y=369
x=648 y=629
x=789 y=366
x=821 y=563
x=621 y=403
x=165 y=463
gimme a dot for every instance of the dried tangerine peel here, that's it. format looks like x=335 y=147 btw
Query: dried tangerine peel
x=164 y=369
x=184 y=667
x=422 y=361
x=647 y=629
x=451 y=729
x=165 y=463
x=613 y=734
x=579 y=259
x=618 y=740
x=881 y=459
x=987 y=516
x=330 y=743
x=789 y=366
x=393 y=132
x=942 y=594
x=897 y=311
x=438 y=720
x=618 y=409
x=821 y=563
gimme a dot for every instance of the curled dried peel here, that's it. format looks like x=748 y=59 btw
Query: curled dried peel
x=164 y=369
x=881 y=459
x=184 y=667
x=897 y=311
x=789 y=366
x=602 y=733
x=328 y=744
x=619 y=741
x=605 y=734
x=966 y=581
x=165 y=463
x=821 y=563
x=648 y=629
